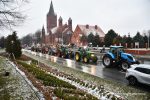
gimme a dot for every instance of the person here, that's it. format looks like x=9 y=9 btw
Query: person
x=103 y=49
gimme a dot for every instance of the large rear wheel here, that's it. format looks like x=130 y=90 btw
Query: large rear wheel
x=94 y=59
x=85 y=59
x=59 y=54
x=77 y=57
x=71 y=55
x=107 y=61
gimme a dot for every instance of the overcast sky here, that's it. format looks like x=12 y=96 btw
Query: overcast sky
x=123 y=16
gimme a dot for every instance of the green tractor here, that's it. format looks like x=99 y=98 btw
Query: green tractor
x=85 y=55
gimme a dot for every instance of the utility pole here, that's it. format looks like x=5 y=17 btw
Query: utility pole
x=62 y=38
x=148 y=39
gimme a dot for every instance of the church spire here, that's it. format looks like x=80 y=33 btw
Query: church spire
x=43 y=35
x=51 y=9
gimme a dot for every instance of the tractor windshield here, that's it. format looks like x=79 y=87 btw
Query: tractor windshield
x=115 y=50
x=121 y=49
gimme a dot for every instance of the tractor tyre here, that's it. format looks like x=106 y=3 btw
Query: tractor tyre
x=71 y=55
x=77 y=57
x=125 y=65
x=59 y=54
x=85 y=59
x=94 y=59
x=64 y=55
x=107 y=61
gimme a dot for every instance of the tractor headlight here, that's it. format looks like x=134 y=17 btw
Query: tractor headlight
x=92 y=55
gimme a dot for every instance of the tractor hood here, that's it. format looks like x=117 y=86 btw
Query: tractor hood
x=90 y=52
x=127 y=57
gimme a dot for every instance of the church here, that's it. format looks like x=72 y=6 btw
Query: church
x=58 y=33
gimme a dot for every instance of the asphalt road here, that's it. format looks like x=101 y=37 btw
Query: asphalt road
x=114 y=74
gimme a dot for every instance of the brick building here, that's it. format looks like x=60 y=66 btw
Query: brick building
x=81 y=30
x=57 y=34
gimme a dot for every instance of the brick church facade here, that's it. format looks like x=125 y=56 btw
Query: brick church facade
x=57 y=34
x=85 y=30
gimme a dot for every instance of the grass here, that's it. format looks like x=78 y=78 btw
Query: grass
x=4 y=93
x=13 y=87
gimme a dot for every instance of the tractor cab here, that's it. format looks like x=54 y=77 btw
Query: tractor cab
x=116 y=51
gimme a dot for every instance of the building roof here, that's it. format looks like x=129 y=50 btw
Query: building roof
x=91 y=29
x=54 y=30
x=60 y=29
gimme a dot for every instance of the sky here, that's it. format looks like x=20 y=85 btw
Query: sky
x=123 y=16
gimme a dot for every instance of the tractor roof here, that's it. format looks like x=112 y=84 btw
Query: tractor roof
x=116 y=46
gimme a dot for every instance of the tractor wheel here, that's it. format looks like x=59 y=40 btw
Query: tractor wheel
x=77 y=57
x=71 y=55
x=125 y=65
x=94 y=59
x=107 y=61
x=85 y=59
x=59 y=54
x=64 y=55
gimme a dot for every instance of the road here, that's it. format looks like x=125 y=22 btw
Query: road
x=99 y=70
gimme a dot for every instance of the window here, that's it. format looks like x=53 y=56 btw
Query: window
x=143 y=70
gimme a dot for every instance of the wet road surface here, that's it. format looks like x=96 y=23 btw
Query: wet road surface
x=114 y=74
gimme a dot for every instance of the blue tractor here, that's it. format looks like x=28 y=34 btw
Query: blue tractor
x=116 y=56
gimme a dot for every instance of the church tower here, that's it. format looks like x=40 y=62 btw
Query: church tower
x=70 y=23
x=51 y=18
x=60 y=21
x=43 y=35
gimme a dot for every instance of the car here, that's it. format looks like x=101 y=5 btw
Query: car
x=138 y=74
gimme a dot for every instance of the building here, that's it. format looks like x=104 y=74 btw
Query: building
x=81 y=30
x=57 y=34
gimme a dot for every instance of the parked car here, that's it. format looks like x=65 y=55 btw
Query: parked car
x=138 y=73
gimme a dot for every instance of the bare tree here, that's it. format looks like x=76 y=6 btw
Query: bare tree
x=10 y=13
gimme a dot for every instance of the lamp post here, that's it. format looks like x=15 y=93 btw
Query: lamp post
x=80 y=35
x=148 y=39
x=62 y=38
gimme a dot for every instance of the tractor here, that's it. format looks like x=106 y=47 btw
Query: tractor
x=85 y=55
x=66 y=52
x=61 y=51
x=117 y=56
